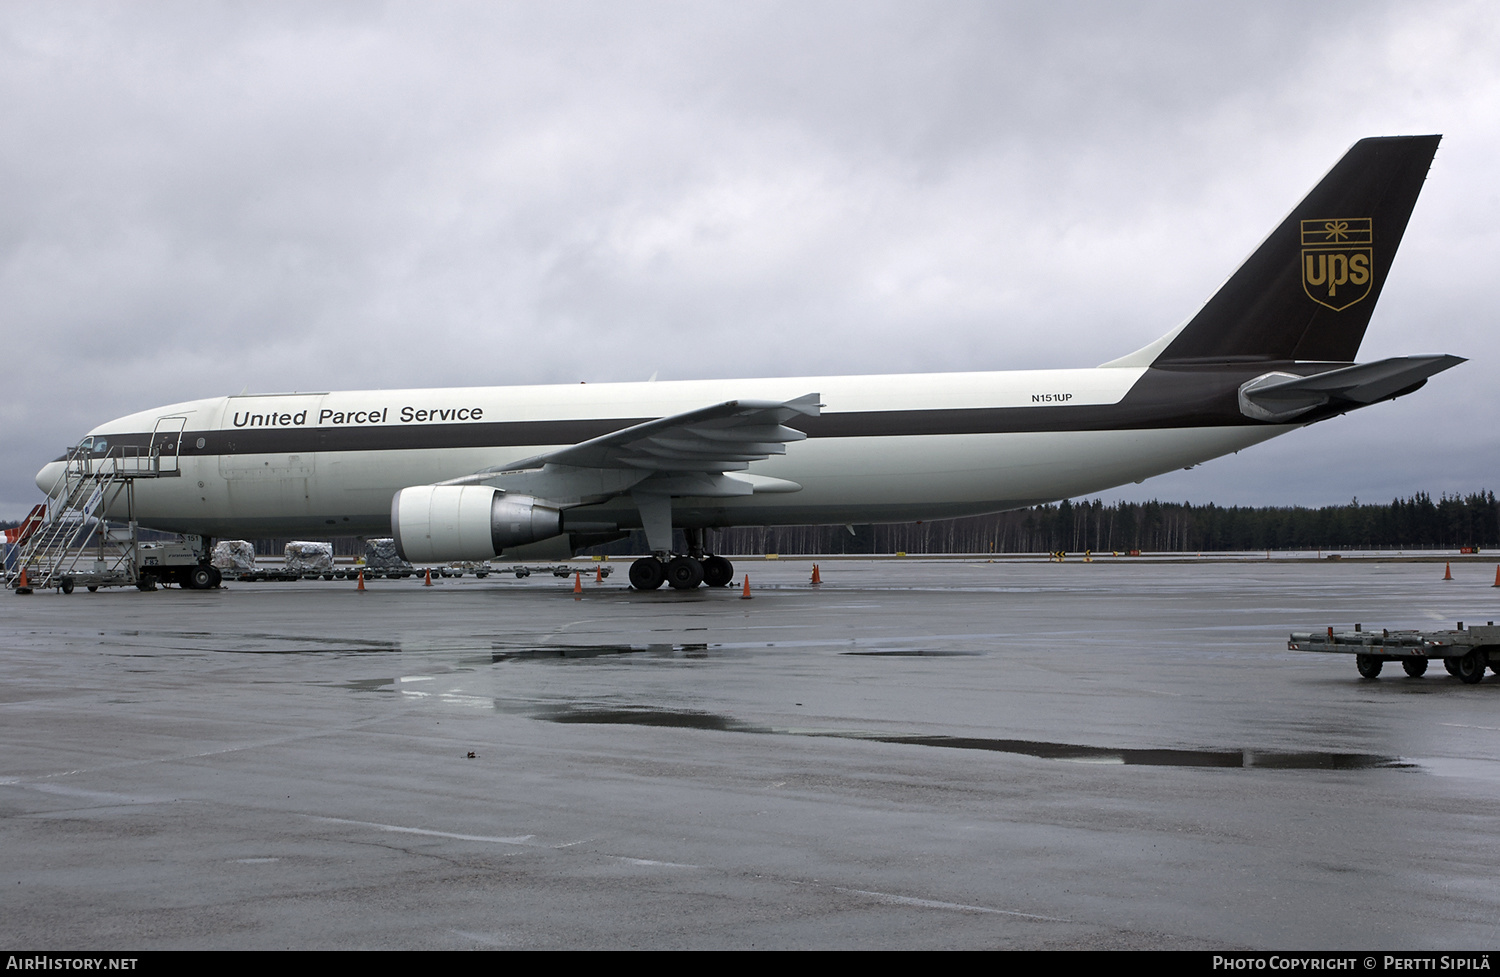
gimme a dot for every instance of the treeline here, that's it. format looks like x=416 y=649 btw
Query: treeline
x=1414 y=523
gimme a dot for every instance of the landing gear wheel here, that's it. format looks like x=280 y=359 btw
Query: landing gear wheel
x=200 y=577
x=1415 y=667
x=717 y=571
x=684 y=573
x=647 y=573
x=66 y=584
x=1368 y=665
x=1471 y=667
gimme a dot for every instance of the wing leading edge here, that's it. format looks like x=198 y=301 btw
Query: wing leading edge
x=691 y=453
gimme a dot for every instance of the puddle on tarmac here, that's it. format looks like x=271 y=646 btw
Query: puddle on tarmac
x=306 y=644
x=505 y=653
x=692 y=719
x=913 y=653
x=346 y=650
x=369 y=684
x=172 y=643
x=1069 y=752
x=651 y=717
x=1050 y=751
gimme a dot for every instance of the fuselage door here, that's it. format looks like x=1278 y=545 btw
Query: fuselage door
x=165 y=441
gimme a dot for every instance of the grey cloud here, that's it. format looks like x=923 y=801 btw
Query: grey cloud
x=201 y=197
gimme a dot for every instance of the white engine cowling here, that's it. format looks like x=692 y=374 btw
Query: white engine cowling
x=441 y=523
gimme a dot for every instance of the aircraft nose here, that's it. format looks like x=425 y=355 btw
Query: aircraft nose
x=49 y=479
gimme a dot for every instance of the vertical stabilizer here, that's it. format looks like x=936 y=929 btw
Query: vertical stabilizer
x=1307 y=292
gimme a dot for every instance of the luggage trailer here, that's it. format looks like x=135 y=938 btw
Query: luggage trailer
x=1464 y=651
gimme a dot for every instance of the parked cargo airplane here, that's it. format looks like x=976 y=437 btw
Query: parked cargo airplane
x=469 y=473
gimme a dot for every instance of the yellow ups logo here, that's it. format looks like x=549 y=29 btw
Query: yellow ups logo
x=1338 y=264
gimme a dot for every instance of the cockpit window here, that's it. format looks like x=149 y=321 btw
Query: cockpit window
x=100 y=446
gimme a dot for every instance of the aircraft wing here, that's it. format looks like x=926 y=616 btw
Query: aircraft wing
x=720 y=438
x=681 y=454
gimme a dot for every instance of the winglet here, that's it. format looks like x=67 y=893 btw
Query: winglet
x=806 y=404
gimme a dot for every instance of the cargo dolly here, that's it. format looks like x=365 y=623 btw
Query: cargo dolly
x=1464 y=651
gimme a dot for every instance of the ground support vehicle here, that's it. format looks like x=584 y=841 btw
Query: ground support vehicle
x=183 y=561
x=1464 y=652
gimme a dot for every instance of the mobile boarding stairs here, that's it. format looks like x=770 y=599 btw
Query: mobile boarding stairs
x=68 y=542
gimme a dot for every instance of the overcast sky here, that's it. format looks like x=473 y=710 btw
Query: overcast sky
x=198 y=198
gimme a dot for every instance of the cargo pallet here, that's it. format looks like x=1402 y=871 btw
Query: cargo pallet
x=1465 y=652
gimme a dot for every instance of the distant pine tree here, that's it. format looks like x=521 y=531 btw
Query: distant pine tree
x=1413 y=523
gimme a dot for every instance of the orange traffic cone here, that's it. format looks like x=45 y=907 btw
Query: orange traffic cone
x=1447 y=571
x=1497 y=576
x=599 y=575
x=577 y=582
x=361 y=587
x=428 y=581
x=746 y=594
x=815 y=578
x=23 y=586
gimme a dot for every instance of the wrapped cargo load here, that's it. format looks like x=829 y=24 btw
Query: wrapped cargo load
x=380 y=554
x=305 y=557
x=236 y=555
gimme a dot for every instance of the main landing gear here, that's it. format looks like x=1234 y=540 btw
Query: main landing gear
x=682 y=572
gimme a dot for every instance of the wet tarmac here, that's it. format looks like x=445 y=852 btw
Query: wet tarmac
x=916 y=754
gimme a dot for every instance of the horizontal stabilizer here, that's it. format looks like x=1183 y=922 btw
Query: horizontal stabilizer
x=1283 y=396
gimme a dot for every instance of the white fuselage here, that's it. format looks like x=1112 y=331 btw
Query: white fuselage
x=329 y=463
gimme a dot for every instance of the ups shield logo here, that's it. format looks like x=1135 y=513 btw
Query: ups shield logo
x=1338 y=264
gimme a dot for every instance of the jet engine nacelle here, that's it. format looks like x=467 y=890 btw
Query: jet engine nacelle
x=441 y=523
